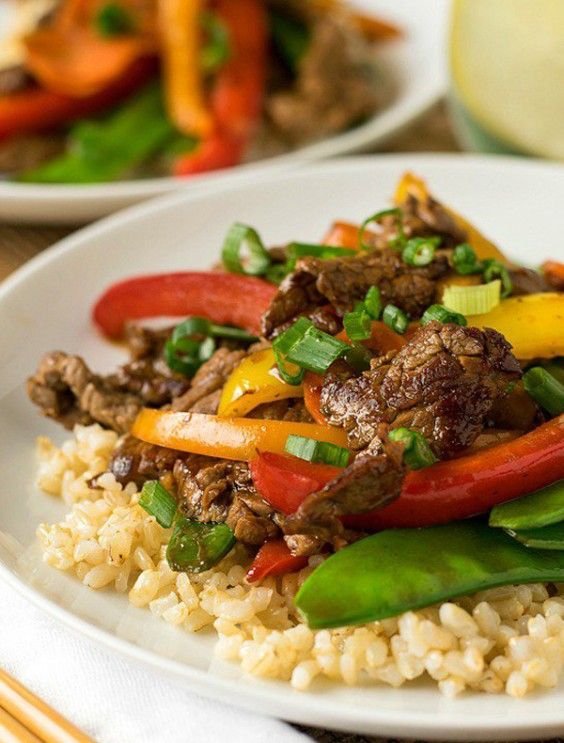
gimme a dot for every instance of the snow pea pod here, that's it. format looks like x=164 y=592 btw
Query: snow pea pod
x=403 y=569
x=533 y=511
x=547 y=538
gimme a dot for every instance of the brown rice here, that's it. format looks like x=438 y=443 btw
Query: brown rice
x=508 y=639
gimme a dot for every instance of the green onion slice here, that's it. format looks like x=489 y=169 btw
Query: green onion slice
x=113 y=19
x=545 y=389
x=420 y=251
x=239 y=237
x=300 y=250
x=417 y=453
x=472 y=300
x=357 y=357
x=157 y=501
x=284 y=342
x=358 y=325
x=316 y=351
x=465 y=261
x=442 y=314
x=495 y=270
x=289 y=373
x=321 y=452
x=397 y=242
x=195 y=547
x=395 y=319
x=373 y=302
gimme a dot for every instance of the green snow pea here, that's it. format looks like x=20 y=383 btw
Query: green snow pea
x=402 y=569
x=541 y=508
x=547 y=538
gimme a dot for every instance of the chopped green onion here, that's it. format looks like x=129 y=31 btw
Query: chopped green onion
x=290 y=37
x=294 y=375
x=276 y=272
x=300 y=250
x=545 y=389
x=113 y=19
x=397 y=242
x=442 y=314
x=357 y=357
x=465 y=261
x=216 y=50
x=472 y=300
x=157 y=501
x=555 y=367
x=417 y=453
x=198 y=326
x=239 y=237
x=420 y=251
x=316 y=350
x=284 y=342
x=358 y=325
x=395 y=319
x=495 y=270
x=373 y=302
x=195 y=546
x=321 y=452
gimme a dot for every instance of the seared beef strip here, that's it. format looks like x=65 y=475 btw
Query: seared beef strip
x=208 y=381
x=342 y=281
x=372 y=481
x=136 y=461
x=443 y=383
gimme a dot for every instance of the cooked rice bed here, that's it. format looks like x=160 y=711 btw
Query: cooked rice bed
x=508 y=639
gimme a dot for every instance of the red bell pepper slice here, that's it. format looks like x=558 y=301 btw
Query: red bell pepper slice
x=446 y=491
x=224 y=298
x=37 y=109
x=238 y=91
x=274 y=558
x=285 y=482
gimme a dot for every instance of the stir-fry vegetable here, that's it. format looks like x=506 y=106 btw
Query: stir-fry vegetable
x=157 y=501
x=554 y=272
x=207 y=295
x=395 y=319
x=254 y=382
x=104 y=150
x=542 y=508
x=548 y=538
x=228 y=438
x=439 y=313
x=195 y=547
x=472 y=300
x=400 y=570
x=533 y=324
x=274 y=558
x=416 y=452
x=319 y=452
x=545 y=389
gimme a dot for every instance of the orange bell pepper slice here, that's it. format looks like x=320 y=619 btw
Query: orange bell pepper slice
x=554 y=272
x=228 y=438
x=412 y=184
x=179 y=27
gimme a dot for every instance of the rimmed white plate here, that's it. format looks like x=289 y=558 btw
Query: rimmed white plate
x=415 y=64
x=45 y=305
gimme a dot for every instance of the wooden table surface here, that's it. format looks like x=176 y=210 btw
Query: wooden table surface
x=431 y=133
x=19 y=243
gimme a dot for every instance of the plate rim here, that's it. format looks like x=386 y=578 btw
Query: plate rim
x=388 y=722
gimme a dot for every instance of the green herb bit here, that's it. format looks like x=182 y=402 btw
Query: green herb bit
x=395 y=319
x=113 y=19
x=398 y=242
x=545 y=389
x=373 y=302
x=241 y=237
x=532 y=511
x=358 y=325
x=495 y=270
x=416 y=453
x=195 y=547
x=465 y=261
x=157 y=501
x=321 y=452
x=439 y=313
x=420 y=251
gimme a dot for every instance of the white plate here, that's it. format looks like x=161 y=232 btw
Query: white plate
x=46 y=305
x=415 y=63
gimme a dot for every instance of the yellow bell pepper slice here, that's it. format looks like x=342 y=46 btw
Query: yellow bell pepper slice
x=228 y=438
x=533 y=324
x=412 y=184
x=254 y=382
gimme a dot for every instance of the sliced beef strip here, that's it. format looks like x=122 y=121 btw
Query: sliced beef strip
x=341 y=282
x=527 y=281
x=65 y=389
x=371 y=482
x=443 y=383
x=209 y=378
x=136 y=461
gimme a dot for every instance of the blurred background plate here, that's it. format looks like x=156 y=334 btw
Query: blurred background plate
x=415 y=63
x=46 y=305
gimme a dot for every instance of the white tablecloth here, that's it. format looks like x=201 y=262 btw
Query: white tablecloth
x=113 y=699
